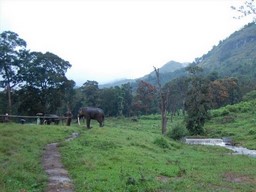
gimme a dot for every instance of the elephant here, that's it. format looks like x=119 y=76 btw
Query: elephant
x=51 y=118
x=91 y=113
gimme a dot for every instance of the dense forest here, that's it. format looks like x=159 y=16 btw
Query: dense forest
x=33 y=82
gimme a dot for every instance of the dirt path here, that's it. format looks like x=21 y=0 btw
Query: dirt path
x=59 y=180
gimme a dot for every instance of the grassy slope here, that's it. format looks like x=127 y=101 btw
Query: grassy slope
x=236 y=121
x=21 y=148
x=132 y=156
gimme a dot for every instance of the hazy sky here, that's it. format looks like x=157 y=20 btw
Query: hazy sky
x=105 y=40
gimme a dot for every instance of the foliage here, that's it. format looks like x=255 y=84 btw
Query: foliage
x=236 y=121
x=145 y=99
x=178 y=131
x=116 y=101
x=223 y=92
x=126 y=98
x=250 y=96
x=46 y=90
x=234 y=57
x=161 y=142
x=90 y=89
x=12 y=52
x=41 y=77
x=197 y=102
x=12 y=55
x=177 y=93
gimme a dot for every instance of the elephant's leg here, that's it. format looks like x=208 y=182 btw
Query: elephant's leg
x=100 y=120
x=88 y=120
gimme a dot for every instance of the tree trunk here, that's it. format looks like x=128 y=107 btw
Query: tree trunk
x=164 y=123
x=164 y=114
x=9 y=99
x=163 y=104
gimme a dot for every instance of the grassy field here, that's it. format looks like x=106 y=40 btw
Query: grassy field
x=132 y=156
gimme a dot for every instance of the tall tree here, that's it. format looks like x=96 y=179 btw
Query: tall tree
x=223 y=92
x=145 y=99
x=45 y=73
x=163 y=100
x=12 y=54
x=177 y=95
x=109 y=100
x=127 y=99
x=91 y=92
x=197 y=101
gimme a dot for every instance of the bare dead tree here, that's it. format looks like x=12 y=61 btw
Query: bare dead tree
x=248 y=8
x=163 y=101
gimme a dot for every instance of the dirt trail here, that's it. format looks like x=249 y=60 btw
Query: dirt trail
x=59 y=180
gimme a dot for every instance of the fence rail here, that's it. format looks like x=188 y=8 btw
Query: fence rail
x=34 y=117
x=40 y=119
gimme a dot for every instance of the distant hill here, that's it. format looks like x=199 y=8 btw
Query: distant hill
x=117 y=83
x=169 y=67
x=233 y=57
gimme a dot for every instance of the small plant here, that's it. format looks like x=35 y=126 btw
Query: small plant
x=225 y=112
x=162 y=142
x=228 y=119
x=178 y=131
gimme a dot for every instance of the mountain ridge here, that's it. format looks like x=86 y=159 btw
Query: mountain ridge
x=234 y=56
x=168 y=67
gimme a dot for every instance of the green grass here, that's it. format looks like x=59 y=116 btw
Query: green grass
x=235 y=121
x=21 y=148
x=129 y=156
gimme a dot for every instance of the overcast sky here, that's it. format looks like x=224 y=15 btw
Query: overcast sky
x=105 y=40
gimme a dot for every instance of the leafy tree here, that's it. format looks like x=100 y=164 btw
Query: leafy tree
x=116 y=101
x=177 y=94
x=3 y=102
x=68 y=98
x=145 y=99
x=109 y=100
x=91 y=92
x=12 y=54
x=29 y=101
x=196 y=103
x=224 y=91
x=44 y=74
x=127 y=99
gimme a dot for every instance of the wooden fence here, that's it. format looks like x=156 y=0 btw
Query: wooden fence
x=42 y=119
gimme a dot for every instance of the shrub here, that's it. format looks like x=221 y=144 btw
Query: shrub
x=161 y=142
x=250 y=96
x=225 y=112
x=228 y=119
x=178 y=131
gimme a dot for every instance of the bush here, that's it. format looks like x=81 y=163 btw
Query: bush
x=225 y=112
x=178 y=131
x=250 y=96
x=161 y=142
